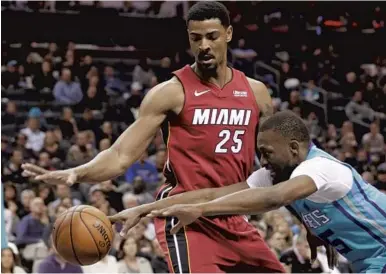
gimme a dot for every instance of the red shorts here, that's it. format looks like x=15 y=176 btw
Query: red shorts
x=225 y=244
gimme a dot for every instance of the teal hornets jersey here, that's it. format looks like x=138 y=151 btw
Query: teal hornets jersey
x=354 y=224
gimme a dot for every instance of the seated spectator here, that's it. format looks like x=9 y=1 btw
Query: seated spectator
x=91 y=101
x=277 y=242
x=66 y=91
x=53 y=54
x=67 y=123
x=381 y=177
x=45 y=80
x=143 y=73
x=107 y=132
x=112 y=195
x=359 y=111
x=85 y=66
x=299 y=258
x=62 y=192
x=20 y=144
x=13 y=171
x=158 y=262
x=54 y=263
x=104 y=144
x=143 y=168
x=26 y=197
x=129 y=262
x=368 y=177
x=160 y=159
x=52 y=147
x=36 y=112
x=82 y=152
x=129 y=200
x=87 y=122
x=98 y=199
x=10 y=78
x=112 y=83
x=10 y=262
x=139 y=189
x=164 y=72
x=34 y=134
x=374 y=142
x=31 y=227
x=9 y=116
x=294 y=101
x=244 y=58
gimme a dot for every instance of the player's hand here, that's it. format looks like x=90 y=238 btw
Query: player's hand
x=51 y=177
x=186 y=214
x=129 y=218
x=314 y=242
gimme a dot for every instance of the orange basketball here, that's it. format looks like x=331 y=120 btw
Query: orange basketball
x=82 y=235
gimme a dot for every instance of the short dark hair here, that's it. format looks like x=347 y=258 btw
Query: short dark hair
x=205 y=10
x=287 y=124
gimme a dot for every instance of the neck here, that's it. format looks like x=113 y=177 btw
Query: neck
x=220 y=77
x=35 y=215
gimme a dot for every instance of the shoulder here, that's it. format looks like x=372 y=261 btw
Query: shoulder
x=168 y=95
x=328 y=168
x=332 y=178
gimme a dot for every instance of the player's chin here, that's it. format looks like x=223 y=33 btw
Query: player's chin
x=208 y=65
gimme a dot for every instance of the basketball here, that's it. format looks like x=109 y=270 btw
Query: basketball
x=82 y=235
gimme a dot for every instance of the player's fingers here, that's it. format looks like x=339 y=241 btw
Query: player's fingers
x=33 y=168
x=114 y=218
x=43 y=177
x=176 y=228
x=27 y=173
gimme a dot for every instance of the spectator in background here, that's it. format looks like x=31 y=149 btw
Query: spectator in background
x=112 y=195
x=85 y=66
x=129 y=262
x=67 y=91
x=112 y=83
x=45 y=80
x=108 y=264
x=143 y=73
x=104 y=144
x=82 y=152
x=351 y=85
x=10 y=115
x=299 y=257
x=35 y=136
x=314 y=128
x=381 y=177
x=164 y=72
x=67 y=123
x=143 y=168
x=277 y=243
x=244 y=58
x=20 y=144
x=53 y=54
x=10 y=78
x=52 y=147
x=31 y=227
x=368 y=177
x=26 y=197
x=87 y=122
x=91 y=101
x=107 y=132
x=374 y=142
x=54 y=263
x=62 y=192
x=139 y=190
x=10 y=262
x=294 y=101
x=13 y=171
x=359 y=111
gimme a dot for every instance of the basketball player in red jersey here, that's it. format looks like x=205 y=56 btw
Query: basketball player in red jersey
x=211 y=112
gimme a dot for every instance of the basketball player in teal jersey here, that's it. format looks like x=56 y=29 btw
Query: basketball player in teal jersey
x=330 y=196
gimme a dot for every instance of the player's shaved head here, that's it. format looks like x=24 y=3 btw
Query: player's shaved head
x=288 y=125
x=205 y=10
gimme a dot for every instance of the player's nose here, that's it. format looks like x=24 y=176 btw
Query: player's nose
x=204 y=45
x=263 y=162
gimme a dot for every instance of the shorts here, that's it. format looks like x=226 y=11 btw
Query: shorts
x=226 y=244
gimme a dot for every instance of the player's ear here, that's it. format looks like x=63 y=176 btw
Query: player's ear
x=229 y=34
x=294 y=147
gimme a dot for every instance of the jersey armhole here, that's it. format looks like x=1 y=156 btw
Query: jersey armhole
x=250 y=90
x=169 y=116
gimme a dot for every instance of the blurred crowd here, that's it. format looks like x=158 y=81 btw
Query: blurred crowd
x=62 y=107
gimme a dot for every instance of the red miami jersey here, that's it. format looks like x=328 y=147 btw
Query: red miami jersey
x=211 y=143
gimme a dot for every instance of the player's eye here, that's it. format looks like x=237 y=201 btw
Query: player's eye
x=213 y=36
x=195 y=38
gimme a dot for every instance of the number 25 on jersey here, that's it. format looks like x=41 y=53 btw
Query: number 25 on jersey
x=226 y=135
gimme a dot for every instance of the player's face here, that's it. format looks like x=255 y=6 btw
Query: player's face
x=277 y=155
x=208 y=41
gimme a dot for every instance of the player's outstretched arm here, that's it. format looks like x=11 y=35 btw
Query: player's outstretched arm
x=130 y=217
x=250 y=201
x=129 y=146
